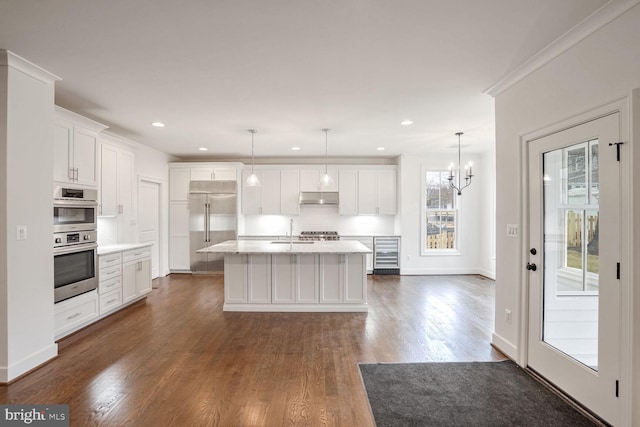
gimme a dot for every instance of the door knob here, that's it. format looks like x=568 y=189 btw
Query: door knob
x=533 y=251
x=531 y=267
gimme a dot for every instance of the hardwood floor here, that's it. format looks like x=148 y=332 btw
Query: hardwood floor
x=178 y=359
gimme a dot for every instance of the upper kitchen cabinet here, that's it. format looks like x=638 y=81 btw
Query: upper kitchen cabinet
x=116 y=180
x=290 y=192
x=75 y=148
x=251 y=196
x=310 y=180
x=377 y=191
x=179 y=178
x=277 y=195
x=213 y=174
x=348 y=192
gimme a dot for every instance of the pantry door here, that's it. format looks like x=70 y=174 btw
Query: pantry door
x=573 y=270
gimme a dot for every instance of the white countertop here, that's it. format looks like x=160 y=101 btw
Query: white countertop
x=284 y=247
x=119 y=247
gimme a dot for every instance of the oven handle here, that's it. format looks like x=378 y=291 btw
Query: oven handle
x=77 y=203
x=74 y=248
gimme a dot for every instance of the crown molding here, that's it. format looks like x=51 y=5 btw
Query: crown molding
x=592 y=23
x=10 y=59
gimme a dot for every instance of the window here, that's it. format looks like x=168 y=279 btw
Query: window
x=440 y=213
x=571 y=185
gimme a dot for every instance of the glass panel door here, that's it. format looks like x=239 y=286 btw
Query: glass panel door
x=574 y=237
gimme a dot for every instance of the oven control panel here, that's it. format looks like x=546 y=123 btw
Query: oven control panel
x=73 y=238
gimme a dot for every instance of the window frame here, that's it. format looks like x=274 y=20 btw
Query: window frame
x=424 y=250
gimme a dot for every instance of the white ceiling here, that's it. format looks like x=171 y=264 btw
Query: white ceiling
x=211 y=69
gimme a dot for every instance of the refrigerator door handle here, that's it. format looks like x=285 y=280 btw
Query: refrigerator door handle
x=206 y=222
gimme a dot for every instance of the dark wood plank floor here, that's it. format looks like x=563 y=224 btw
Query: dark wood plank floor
x=178 y=359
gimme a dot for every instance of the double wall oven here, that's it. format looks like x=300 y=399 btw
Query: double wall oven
x=75 y=247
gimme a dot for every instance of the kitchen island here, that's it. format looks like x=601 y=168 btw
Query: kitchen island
x=311 y=276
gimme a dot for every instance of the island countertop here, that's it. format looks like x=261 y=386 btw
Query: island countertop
x=285 y=247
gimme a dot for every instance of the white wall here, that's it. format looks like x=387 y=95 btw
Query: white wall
x=26 y=275
x=475 y=222
x=601 y=68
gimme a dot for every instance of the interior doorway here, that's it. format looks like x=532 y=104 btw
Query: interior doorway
x=149 y=199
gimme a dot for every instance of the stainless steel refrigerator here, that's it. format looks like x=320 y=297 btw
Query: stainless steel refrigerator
x=212 y=219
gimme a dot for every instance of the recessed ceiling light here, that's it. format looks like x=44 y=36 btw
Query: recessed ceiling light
x=406 y=122
x=380 y=148
x=295 y=148
x=158 y=124
x=203 y=149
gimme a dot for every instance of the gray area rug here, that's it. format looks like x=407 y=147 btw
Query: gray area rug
x=463 y=394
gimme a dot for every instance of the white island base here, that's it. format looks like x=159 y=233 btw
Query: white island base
x=323 y=277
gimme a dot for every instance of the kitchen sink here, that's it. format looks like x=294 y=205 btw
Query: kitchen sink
x=295 y=242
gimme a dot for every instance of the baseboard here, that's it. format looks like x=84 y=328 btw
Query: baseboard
x=504 y=346
x=29 y=363
x=294 y=308
x=445 y=272
x=488 y=274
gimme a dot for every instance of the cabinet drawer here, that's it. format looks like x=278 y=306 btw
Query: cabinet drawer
x=75 y=312
x=110 y=300
x=109 y=285
x=135 y=254
x=110 y=260
x=109 y=273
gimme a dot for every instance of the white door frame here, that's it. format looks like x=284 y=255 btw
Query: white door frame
x=161 y=185
x=622 y=106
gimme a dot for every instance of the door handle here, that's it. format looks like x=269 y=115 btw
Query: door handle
x=531 y=267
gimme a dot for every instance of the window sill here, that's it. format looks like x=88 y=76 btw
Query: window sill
x=431 y=253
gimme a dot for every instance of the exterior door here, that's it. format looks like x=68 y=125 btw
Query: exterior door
x=574 y=292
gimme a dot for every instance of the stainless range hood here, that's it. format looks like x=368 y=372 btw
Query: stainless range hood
x=318 y=198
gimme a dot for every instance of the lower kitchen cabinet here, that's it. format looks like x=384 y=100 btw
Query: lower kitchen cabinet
x=124 y=276
x=136 y=274
x=295 y=282
x=75 y=313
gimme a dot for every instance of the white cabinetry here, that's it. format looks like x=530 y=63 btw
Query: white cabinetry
x=290 y=192
x=116 y=181
x=295 y=282
x=377 y=192
x=136 y=273
x=110 y=285
x=213 y=174
x=348 y=192
x=75 y=313
x=368 y=242
x=259 y=278
x=75 y=148
x=251 y=196
x=342 y=279
x=294 y=278
x=310 y=180
x=270 y=188
x=179 y=184
x=179 y=236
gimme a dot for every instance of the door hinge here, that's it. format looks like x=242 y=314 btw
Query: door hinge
x=618 y=271
x=617 y=144
x=617 y=388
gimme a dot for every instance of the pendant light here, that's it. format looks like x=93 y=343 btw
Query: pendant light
x=325 y=180
x=468 y=173
x=252 y=180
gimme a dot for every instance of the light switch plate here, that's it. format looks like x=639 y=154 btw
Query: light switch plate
x=21 y=232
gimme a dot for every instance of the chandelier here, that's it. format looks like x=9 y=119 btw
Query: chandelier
x=468 y=170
